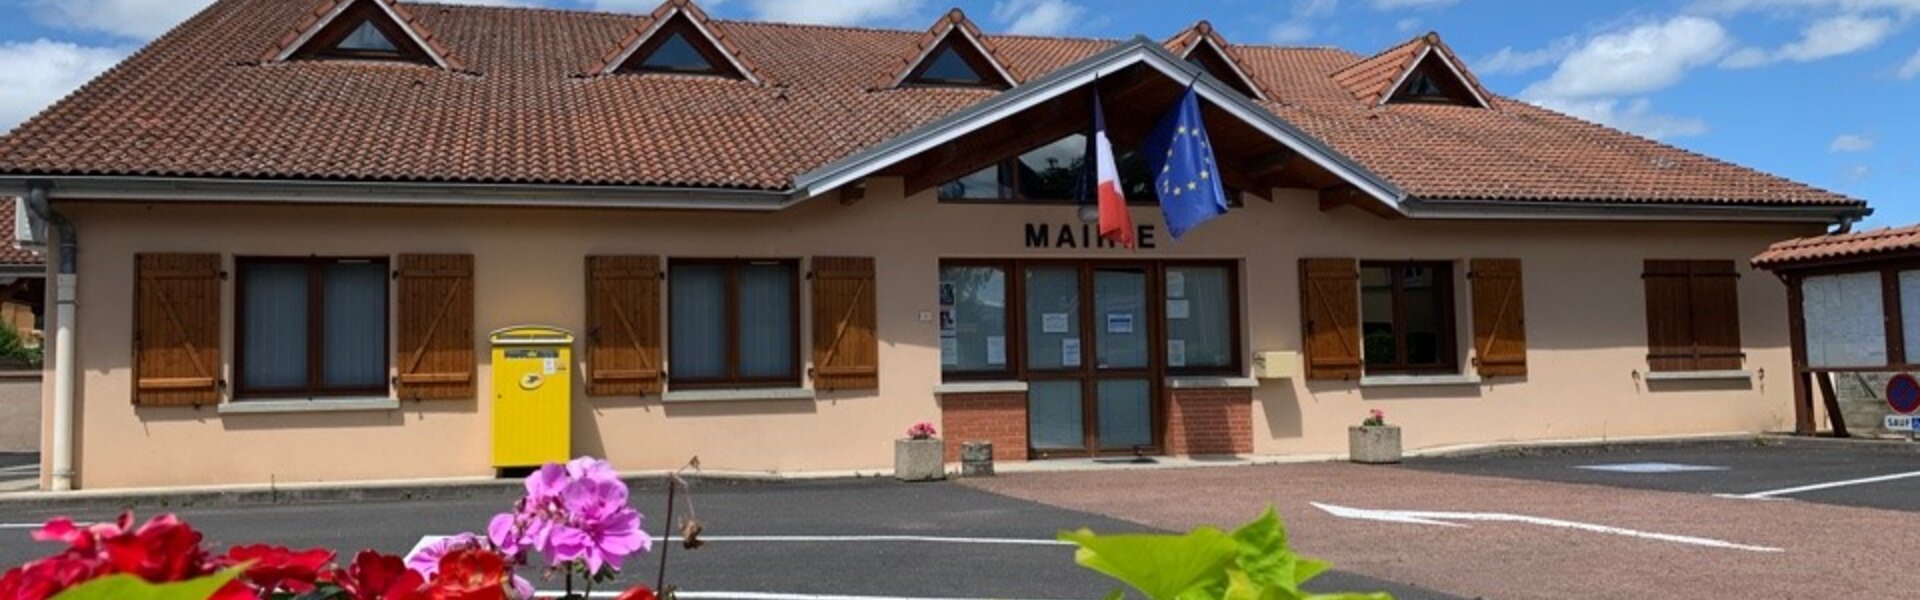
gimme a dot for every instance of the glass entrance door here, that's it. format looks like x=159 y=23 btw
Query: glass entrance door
x=1091 y=365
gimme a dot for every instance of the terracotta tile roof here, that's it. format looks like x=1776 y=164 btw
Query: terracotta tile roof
x=11 y=254
x=199 y=103
x=316 y=19
x=1859 y=245
x=1372 y=79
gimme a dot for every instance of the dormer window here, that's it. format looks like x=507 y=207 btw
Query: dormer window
x=1432 y=83
x=946 y=67
x=1209 y=57
x=361 y=30
x=677 y=44
x=952 y=54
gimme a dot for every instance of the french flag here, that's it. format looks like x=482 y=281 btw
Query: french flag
x=1116 y=224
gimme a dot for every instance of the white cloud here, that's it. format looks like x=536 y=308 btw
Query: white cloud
x=1299 y=27
x=834 y=12
x=1910 y=68
x=1844 y=34
x=1289 y=32
x=1508 y=60
x=1038 y=17
x=1643 y=59
x=1849 y=142
x=1635 y=115
x=1407 y=25
x=1398 y=4
x=37 y=73
x=1855 y=174
x=135 y=19
x=1746 y=58
x=1788 y=6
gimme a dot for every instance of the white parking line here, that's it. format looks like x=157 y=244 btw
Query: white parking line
x=762 y=596
x=1827 y=486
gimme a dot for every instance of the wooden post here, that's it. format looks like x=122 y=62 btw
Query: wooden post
x=1797 y=332
x=1832 y=403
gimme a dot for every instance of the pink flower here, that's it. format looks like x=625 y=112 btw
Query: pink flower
x=600 y=529
x=426 y=562
x=922 y=431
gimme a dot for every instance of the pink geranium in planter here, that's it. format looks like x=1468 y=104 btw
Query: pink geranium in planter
x=922 y=431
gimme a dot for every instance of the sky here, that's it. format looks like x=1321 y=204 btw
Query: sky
x=1812 y=90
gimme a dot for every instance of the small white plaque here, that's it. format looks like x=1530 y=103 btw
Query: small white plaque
x=1070 y=353
x=1900 y=423
x=1176 y=284
x=996 y=350
x=549 y=366
x=1053 y=323
x=1176 y=353
x=1121 y=323
x=1179 y=309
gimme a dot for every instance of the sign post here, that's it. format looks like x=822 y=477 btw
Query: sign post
x=1903 y=398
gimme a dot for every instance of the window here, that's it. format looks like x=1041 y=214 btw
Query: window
x=1206 y=56
x=1201 y=304
x=733 y=323
x=1693 y=315
x=973 y=319
x=1433 y=82
x=1407 y=319
x=364 y=32
x=1052 y=173
x=311 y=327
x=953 y=64
x=367 y=38
x=678 y=47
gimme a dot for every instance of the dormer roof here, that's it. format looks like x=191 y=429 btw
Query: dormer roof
x=953 y=36
x=322 y=31
x=1200 y=43
x=677 y=17
x=1381 y=78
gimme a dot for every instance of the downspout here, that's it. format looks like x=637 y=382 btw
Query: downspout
x=63 y=323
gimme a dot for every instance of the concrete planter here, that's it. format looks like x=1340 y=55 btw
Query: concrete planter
x=919 y=460
x=1374 y=445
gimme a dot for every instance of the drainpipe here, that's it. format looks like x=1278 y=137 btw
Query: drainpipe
x=63 y=323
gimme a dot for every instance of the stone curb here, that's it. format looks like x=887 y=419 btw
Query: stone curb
x=354 y=492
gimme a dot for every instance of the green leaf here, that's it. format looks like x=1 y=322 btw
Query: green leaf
x=1307 y=568
x=1262 y=552
x=1161 y=566
x=129 y=587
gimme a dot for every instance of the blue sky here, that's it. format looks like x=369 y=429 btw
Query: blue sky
x=1813 y=90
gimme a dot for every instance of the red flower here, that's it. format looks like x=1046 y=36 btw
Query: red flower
x=470 y=574
x=43 y=579
x=376 y=576
x=639 y=592
x=276 y=568
x=164 y=550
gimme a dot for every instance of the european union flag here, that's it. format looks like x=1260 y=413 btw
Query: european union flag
x=1185 y=176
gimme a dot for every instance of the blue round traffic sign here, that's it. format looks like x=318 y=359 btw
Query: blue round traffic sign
x=1903 y=394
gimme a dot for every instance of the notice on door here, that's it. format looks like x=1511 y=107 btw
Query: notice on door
x=996 y=350
x=1053 y=323
x=1120 y=323
x=1070 y=353
x=1176 y=353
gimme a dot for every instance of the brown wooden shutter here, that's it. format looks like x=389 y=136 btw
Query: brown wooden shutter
x=1716 y=316
x=623 y=326
x=1693 y=315
x=846 y=346
x=436 y=356
x=1499 y=317
x=176 y=335
x=1330 y=317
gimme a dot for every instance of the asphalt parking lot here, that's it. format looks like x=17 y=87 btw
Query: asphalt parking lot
x=797 y=541
x=1883 y=475
x=18 y=470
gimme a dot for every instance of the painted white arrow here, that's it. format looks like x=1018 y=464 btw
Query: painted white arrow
x=1419 y=517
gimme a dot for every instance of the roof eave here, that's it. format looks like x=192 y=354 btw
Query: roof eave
x=1826 y=214
x=285 y=191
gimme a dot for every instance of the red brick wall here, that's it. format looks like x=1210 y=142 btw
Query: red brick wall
x=1000 y=418
x=1209 y=421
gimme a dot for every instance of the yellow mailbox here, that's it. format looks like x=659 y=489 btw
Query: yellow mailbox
x=532 y=396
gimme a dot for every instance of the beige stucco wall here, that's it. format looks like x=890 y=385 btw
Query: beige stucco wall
x=1585 y=328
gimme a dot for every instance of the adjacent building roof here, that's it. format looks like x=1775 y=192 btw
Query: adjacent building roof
x=200 y=103
x=11 y=254
x=1841 y=247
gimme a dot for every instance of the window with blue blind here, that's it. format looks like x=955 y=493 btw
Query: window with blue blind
x=311 y=327
x=733 y=323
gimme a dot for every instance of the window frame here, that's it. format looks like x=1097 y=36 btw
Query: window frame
x=733 y=379
x=326 y=44
x=1449 y=324
x=1730 y=268
x=1017 y=368
x=719 y=65
x=316 y=329
x=989 y=76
